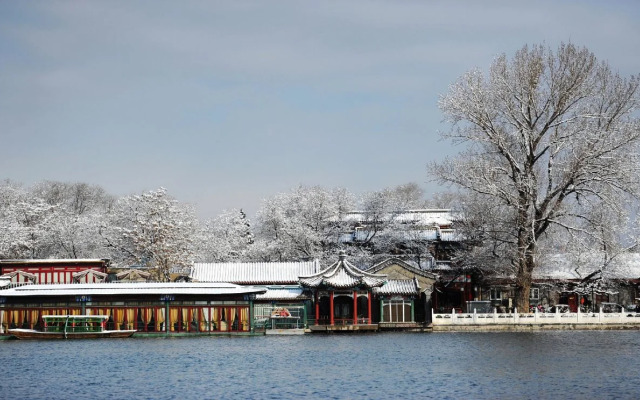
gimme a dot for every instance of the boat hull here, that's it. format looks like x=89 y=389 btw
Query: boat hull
x=33 y=334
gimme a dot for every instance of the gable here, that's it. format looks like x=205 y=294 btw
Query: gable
x=399 y=270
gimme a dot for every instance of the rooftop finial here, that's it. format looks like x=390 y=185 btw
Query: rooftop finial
x=342 y=255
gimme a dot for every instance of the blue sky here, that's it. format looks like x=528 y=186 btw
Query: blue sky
x=228 y=103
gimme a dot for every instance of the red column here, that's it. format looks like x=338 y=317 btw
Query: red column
x=355 y=307
x=317 y=307
x=369 y=306
x=331 y=307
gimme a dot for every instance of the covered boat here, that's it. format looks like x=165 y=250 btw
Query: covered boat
x=72 y=327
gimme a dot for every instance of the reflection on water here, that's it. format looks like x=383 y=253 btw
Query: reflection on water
x=563 y=364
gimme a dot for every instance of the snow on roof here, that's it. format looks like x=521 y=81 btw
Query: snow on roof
x=398 y=287
x=283 y=293
x=142 y=288
x=343 y=274
x=450 y=235
x=438 y=217
x=56 y=261
x=253 y=273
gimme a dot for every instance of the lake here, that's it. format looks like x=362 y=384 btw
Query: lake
x=559 y=364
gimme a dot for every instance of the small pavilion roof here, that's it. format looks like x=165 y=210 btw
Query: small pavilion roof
x=343 y=274
x=24 y=274
x=133 y=274
x=82 y=274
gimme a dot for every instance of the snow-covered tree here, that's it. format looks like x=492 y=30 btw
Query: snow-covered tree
x=551 y=137
x=152 y=230
x=302 y=224
x=387 y=233
x=79 y=211
x=225 y=238
x=24 y=221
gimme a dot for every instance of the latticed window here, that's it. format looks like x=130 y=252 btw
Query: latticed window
x=534 y=293
x=396 y=311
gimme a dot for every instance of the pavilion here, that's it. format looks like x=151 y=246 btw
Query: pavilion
x=343 y=296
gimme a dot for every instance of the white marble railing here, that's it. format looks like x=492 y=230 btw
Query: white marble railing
x=536 y=318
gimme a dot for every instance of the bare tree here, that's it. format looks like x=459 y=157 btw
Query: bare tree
x=551 y=136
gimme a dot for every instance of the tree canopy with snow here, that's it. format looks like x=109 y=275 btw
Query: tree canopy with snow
x=552 y=140
x=152 y=230
x=226 y=238
x=303 y=224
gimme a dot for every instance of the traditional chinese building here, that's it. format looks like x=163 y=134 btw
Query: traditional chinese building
x=343 y=296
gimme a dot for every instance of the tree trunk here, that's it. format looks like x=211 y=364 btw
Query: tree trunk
x=524 y=278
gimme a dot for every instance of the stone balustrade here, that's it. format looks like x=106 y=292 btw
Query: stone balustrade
x=536 y=318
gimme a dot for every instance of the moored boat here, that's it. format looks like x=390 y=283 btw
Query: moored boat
x=72 y=327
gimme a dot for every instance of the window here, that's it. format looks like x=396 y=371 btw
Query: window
x=396 y=310
x=496 y=294
x=534 y=293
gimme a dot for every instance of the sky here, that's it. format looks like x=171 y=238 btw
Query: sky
x=227 y=103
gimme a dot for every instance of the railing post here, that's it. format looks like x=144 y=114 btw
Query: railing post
x=600 y=315
x=516 y=318
x=475 y=316
x=578 y=314
x=495 y=314
x=453 y=316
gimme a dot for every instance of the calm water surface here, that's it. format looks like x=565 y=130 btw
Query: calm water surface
x=549 y=365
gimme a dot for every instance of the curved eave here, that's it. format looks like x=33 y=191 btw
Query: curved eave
x=343 y=275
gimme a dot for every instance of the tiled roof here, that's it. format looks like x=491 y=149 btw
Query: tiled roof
x=254 y=273
x=449 y=235
x=97 y=289
x=343 y=274
x=440 y=217
x=398 y=287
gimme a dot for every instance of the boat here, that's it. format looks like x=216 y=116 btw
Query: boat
x=72 y=327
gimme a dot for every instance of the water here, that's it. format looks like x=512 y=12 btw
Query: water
x=563 y=364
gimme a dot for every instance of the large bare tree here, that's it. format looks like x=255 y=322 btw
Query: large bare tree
x=550 y=138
